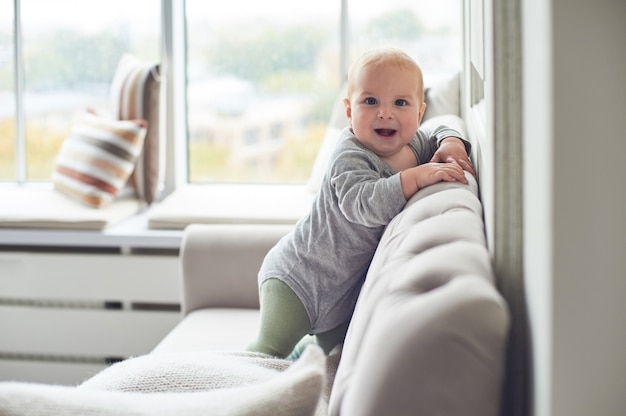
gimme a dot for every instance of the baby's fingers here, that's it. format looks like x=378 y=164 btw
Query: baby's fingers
x=467 y=166
x=455 y=172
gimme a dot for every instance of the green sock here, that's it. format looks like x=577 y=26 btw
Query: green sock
x=301 y=345
x=326 y=340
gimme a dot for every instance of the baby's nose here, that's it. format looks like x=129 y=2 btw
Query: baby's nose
x=385 y=112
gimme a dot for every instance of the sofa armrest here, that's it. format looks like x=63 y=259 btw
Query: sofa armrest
x=220 y=263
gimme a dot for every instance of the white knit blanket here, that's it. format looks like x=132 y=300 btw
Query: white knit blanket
x=187 y=384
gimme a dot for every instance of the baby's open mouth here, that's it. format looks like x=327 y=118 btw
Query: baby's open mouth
x=385 y=132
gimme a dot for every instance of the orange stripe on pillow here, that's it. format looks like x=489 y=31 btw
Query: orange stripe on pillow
x=87 y=179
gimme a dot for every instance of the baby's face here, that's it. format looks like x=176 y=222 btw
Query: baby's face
x=385 y=107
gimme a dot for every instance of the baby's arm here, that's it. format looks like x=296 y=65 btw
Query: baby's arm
x=421 y=176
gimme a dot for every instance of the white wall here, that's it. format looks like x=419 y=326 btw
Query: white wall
x=574 y=65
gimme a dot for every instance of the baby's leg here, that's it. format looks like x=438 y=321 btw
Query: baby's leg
x=284 y=320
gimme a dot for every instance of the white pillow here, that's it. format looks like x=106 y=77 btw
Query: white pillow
x=443 y=97
x=449 y=120
x=296 y=391
x=338 y=121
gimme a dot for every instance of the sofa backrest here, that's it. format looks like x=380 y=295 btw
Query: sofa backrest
x=429 y=331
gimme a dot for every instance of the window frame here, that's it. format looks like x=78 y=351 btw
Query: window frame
x=174 y=120
x=18 y=71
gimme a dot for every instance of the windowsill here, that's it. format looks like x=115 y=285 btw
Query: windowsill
x=232 y=204
x=208 y=204
x=132 y=233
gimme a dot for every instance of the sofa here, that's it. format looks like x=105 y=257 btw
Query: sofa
x=428 y=335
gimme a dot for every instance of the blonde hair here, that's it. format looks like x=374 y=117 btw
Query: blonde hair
x=384 y=56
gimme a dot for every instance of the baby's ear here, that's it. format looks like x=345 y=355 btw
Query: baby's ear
x=421 y=113
x=346 y=103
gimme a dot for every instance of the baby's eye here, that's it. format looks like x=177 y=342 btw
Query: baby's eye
x=370 y=101
x=401 y=102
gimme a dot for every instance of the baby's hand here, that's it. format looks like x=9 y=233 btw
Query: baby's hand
x=451 y=150
x=414 y=179
x=431 y=173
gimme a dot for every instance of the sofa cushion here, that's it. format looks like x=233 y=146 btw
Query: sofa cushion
x=202 y=329
x=296 y=391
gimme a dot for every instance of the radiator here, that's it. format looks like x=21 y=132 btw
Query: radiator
x=64 y=317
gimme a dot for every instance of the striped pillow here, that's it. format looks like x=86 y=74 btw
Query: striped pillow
x=135 y=94
x=97 y=158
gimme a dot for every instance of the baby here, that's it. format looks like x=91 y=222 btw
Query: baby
x=310 y=281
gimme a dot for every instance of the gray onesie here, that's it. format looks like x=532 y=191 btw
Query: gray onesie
x=325 y=258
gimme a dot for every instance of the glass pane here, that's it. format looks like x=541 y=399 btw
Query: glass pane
x=69 y=63
x=7 y=97
x=262 y=80
x=430 y=31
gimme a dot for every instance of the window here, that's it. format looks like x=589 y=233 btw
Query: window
x=261 y=77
